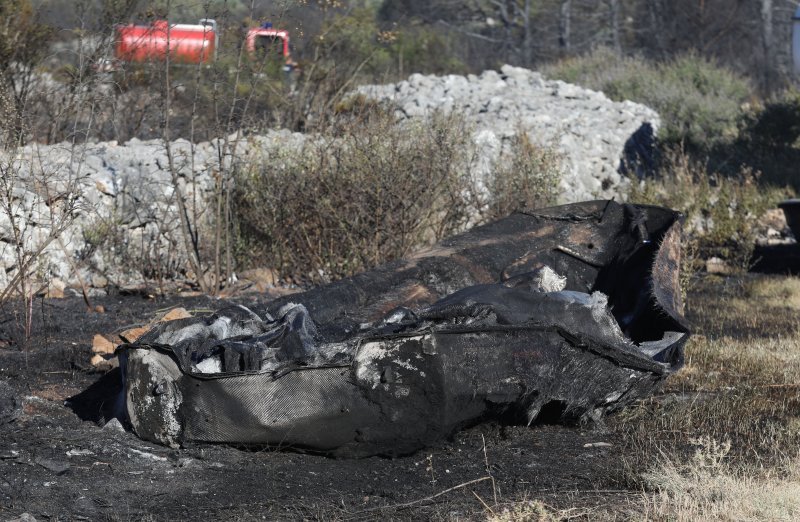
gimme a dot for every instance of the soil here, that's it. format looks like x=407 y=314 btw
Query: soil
x=59 y=459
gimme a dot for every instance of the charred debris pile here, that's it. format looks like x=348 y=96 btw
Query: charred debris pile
x=562 y=314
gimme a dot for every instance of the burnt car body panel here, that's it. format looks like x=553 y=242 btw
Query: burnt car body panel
x=388 y=361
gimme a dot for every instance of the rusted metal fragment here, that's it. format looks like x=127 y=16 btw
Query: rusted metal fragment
x=565 y=314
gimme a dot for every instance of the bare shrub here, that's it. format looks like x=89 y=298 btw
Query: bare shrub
x=721 y=211
x=342 y=204
x=37 y=205
x=369 y=190
x=526 y=176
x=40 y=198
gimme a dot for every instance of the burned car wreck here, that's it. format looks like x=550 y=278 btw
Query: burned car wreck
x=564 y=313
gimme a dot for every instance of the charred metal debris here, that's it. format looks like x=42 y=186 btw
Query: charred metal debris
x=565 y=314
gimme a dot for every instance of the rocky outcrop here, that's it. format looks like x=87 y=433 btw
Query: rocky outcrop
x=597 y=137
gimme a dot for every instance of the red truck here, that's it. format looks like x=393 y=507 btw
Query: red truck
x=193 y=43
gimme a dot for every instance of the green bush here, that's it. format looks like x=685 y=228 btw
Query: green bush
x=777 y=124
x=769 y=140
x=700 y=103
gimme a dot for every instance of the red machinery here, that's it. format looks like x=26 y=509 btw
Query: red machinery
x=268 y=40
x=187 y=43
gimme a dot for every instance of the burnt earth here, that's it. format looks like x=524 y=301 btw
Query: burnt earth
x=60 y=460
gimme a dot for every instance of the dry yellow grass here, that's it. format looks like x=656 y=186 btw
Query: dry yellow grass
x=778 y=292
x=708 y=488
x=722 y=442
x=741 y=380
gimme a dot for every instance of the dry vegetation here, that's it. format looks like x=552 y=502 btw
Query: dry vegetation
x=724 y=436
x=722 y=210
x=369 y=190
x=721 y=440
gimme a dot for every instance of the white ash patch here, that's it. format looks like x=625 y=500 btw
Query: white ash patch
x=547 y=280
x=367 y=369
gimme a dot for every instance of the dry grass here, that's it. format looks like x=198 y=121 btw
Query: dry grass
x=721 y=442
x=775 y=292
x=742 y=376
x=708 y=489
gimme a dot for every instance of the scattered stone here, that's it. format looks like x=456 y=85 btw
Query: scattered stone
x=25 y=517
x=114 y=425
x=103 y=349
x=9 y=454
x=257 y=280
x=56 y=288
x=132 y=334
x=598 y=445
x=147 y=455
x=99 y=281
x=175 y=314
x=262 y=276
x=79 y=453
x=190 y=293
x=104 y=362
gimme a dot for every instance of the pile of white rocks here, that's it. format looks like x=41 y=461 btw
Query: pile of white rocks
x=598 y=138
x=127 y=226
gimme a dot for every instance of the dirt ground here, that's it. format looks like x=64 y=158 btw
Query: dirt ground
x=58 y=461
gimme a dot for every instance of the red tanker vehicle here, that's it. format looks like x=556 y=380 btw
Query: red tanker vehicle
x=193 y=43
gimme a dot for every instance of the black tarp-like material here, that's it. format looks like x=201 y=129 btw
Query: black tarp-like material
x=566 y=313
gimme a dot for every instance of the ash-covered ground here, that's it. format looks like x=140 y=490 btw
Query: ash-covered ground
x=59 y=461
